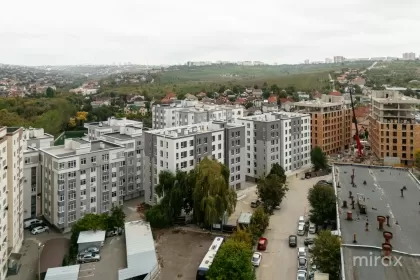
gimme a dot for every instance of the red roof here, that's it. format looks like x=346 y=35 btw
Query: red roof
x=201 y=94
x=240 y=101
x=335 y=93
x=170 y=95
x=361 y=112
x=272 y=99
x=285 y=100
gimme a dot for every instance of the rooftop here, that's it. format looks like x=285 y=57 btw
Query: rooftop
x=390 y=96
x=12 y=129
x=63 y=273
x=77 y=146
x=274 y=116
x=119 y=136
x=381 y=196
x=91 y=236
x=188 y=130
x=141 y=254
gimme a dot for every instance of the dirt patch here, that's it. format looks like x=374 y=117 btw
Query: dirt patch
x=180 y=253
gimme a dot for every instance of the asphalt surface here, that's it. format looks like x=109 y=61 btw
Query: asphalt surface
x=279 y=261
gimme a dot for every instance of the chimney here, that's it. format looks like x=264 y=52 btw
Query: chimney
x=388 y=236
x=387 y=249
x=381 y=221
x=349 y=216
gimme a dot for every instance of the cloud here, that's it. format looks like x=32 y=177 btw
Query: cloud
x=166 y=32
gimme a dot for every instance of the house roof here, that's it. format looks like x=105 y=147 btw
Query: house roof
x=240 y=101
x=91 y=236
x=141 y=254
x=63 y=273
x=335 y=93
x=272 y=99
x=285 y=100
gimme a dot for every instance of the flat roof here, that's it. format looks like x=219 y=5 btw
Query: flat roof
x=91 y=236
x=382 y=197
x=186 y=130
x=63 y=273
x=274 y=116
x=119 y=135
x=245 y=218
x=62 y=151
x=141 y=254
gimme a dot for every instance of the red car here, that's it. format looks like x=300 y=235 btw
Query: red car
x=262 y=244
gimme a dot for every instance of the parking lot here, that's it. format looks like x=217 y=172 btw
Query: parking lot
x=181 y=253
x=113 y=258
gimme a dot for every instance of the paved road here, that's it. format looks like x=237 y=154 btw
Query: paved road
x=280 y=261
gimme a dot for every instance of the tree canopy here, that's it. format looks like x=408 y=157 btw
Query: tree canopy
x=326 y=253
x=278 y=170
x=271 y=191
x=259 y=222
x=233 y=261
x=318 y=158
x=323 y=204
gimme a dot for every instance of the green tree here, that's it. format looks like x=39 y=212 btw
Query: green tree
x=323 y=202
x=242 y=235
x=366 y=134
x=249 y=105
x=259 y=222
x=266 y=94
x=296 y=97
x=212 y=197
x=278 y=170
x=50 y=93
x=157 y=216
x=271 y=191
x=116 y=217
x=326 y=254
x=233 y=261
x=275 y=89
x=318 y=158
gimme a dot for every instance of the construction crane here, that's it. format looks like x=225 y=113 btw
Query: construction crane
x=356 y=136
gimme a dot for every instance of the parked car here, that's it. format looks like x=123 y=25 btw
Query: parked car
x=89 y=257
x=28 y=223
x=35 y=225
x=92 y=250
x=256 y=259
x=262 y=244
x=292 y=241
x=301 y=230
x=312 y=228
x=114 y=232
x=308 y=175
x=301 y=275
x=39 y=230
x=301 y=252
x=255 y=204
x=308 y=241
x=302 y=263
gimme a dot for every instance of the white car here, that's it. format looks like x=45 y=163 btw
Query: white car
x=301 y=275
x=312 y=228
x=39 y=230
x=28 y=223
x=89 y=257
x=256 y=259
x=301 y=252
x=302 y=264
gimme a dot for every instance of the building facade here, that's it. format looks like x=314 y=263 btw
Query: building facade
x=394 y=129
x=331 y=122
x=34 y=140
x=282 y=138
x=181 y=148
x=3 y=202
x=184 y=112
x=81 y=177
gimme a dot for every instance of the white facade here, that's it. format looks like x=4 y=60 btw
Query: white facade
x=3 y=203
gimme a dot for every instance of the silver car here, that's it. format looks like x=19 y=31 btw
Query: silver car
x=89 y=257
x=302 y=263
x=92 y=250
x=301 y=275
x=256 y=259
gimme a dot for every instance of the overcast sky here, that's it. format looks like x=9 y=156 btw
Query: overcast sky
x=58 y=32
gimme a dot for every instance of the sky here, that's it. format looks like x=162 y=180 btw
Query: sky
x=51 y=32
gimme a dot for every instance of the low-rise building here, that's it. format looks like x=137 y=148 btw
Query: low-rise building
x=97 y=129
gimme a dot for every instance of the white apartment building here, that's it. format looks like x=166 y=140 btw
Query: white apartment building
x=283 y=138
x=97 y=129
x=35 y=138
x=184 y=112
x=81 y=177
x=3 y=204
x=181 y=148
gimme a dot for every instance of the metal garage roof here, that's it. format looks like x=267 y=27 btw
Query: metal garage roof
x=141 y=254
x=63 y=273
x=91 y=236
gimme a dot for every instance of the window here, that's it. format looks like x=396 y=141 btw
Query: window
x=105 y=197
x=83 y=182
x=191 y=142
x=105 y=167
x=105 y=178
x=183 y=144
x=93 y=189
x=83 y=192
x=92 y=179
x=72 y=174
x=72 y=207
x=82 y=171
x=105 y=157
x=72 y=185
x=61 y=197
x=93 y=199
x=72 y=196
x=177 y=146
x=183 y=164
x=72 y=217
x=122 y=163
x=114 y=194
x=61 y=220
x=93 y=159
x=60 y=209
x=61 y=165
x=83 y=161
x=27 y=160
x=219 y=137
x=114 y=174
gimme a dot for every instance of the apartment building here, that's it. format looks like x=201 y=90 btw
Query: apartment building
x=81 y=177
x=15 y=146
x=3 y=204
x=409 y=56
x=339 y=59
x=35 y=138
x=186 y=112
x=97 y=129
x=331 y=122
x=394 y=130
x=282 y=138
x=181 y=148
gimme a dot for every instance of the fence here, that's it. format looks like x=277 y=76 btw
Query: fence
x=69 y=134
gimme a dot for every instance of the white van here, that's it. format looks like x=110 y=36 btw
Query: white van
x=30 y=222
x=301 y=230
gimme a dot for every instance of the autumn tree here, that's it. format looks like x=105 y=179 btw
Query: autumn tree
x=271 y=191
x=81 y=117
x=323 y=204
x=326 y=254
x=242 y=235
x=259 y=222
x=233 y=261
x=72 y=123
x=212 y=196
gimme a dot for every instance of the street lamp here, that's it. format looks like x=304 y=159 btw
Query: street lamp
x=40 y=246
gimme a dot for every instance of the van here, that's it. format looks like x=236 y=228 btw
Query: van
x=301 y=230
x=28 y=223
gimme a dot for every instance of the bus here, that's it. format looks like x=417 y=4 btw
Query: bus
x=209 y=257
